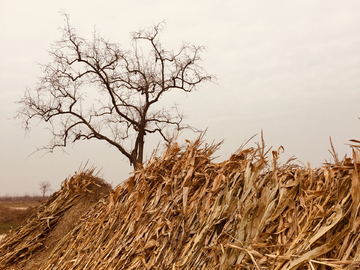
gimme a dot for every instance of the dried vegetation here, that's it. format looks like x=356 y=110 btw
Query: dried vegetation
x=182 y=211
x=28 y=246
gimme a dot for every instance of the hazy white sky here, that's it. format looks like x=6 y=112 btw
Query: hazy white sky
x=289 y=68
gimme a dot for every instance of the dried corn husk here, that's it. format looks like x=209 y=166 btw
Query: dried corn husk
x=182 y=211
x=52 y=220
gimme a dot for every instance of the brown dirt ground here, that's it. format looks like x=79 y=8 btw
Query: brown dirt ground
x=15 y=213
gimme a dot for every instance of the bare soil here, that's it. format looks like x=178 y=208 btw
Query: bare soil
x=14 y=213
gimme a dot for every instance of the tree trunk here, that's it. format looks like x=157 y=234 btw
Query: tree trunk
x=138 y=152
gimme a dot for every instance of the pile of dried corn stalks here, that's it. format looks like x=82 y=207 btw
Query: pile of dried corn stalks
x=183 y=211
x=30 y=242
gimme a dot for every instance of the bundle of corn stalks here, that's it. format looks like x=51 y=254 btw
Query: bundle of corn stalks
x=28 y=245
x=182 y=211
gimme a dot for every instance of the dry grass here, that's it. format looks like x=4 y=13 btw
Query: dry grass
x=182 y=211
x=25 y=199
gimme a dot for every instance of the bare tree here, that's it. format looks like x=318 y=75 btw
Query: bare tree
x=45 y=187
x=94 y=89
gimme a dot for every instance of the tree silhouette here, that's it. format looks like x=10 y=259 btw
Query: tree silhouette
x=45 y=187
x=95 y=90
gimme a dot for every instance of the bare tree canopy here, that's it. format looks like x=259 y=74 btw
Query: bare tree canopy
x=94 y=89
x=45 y=187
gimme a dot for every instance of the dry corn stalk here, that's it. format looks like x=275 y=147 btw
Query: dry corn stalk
x=182 y=211
x=27 y=242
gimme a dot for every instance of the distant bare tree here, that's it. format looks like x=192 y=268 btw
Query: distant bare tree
x=45 y=187
x=94 y=89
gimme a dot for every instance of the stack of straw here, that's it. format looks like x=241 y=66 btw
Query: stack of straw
x=182 y=211
x=28 y=245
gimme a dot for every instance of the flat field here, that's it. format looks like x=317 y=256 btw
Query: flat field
x=15 y=210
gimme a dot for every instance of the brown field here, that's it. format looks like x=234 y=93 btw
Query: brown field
x=14 y=210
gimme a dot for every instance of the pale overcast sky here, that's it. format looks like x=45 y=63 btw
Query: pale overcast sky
x=289 y=68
